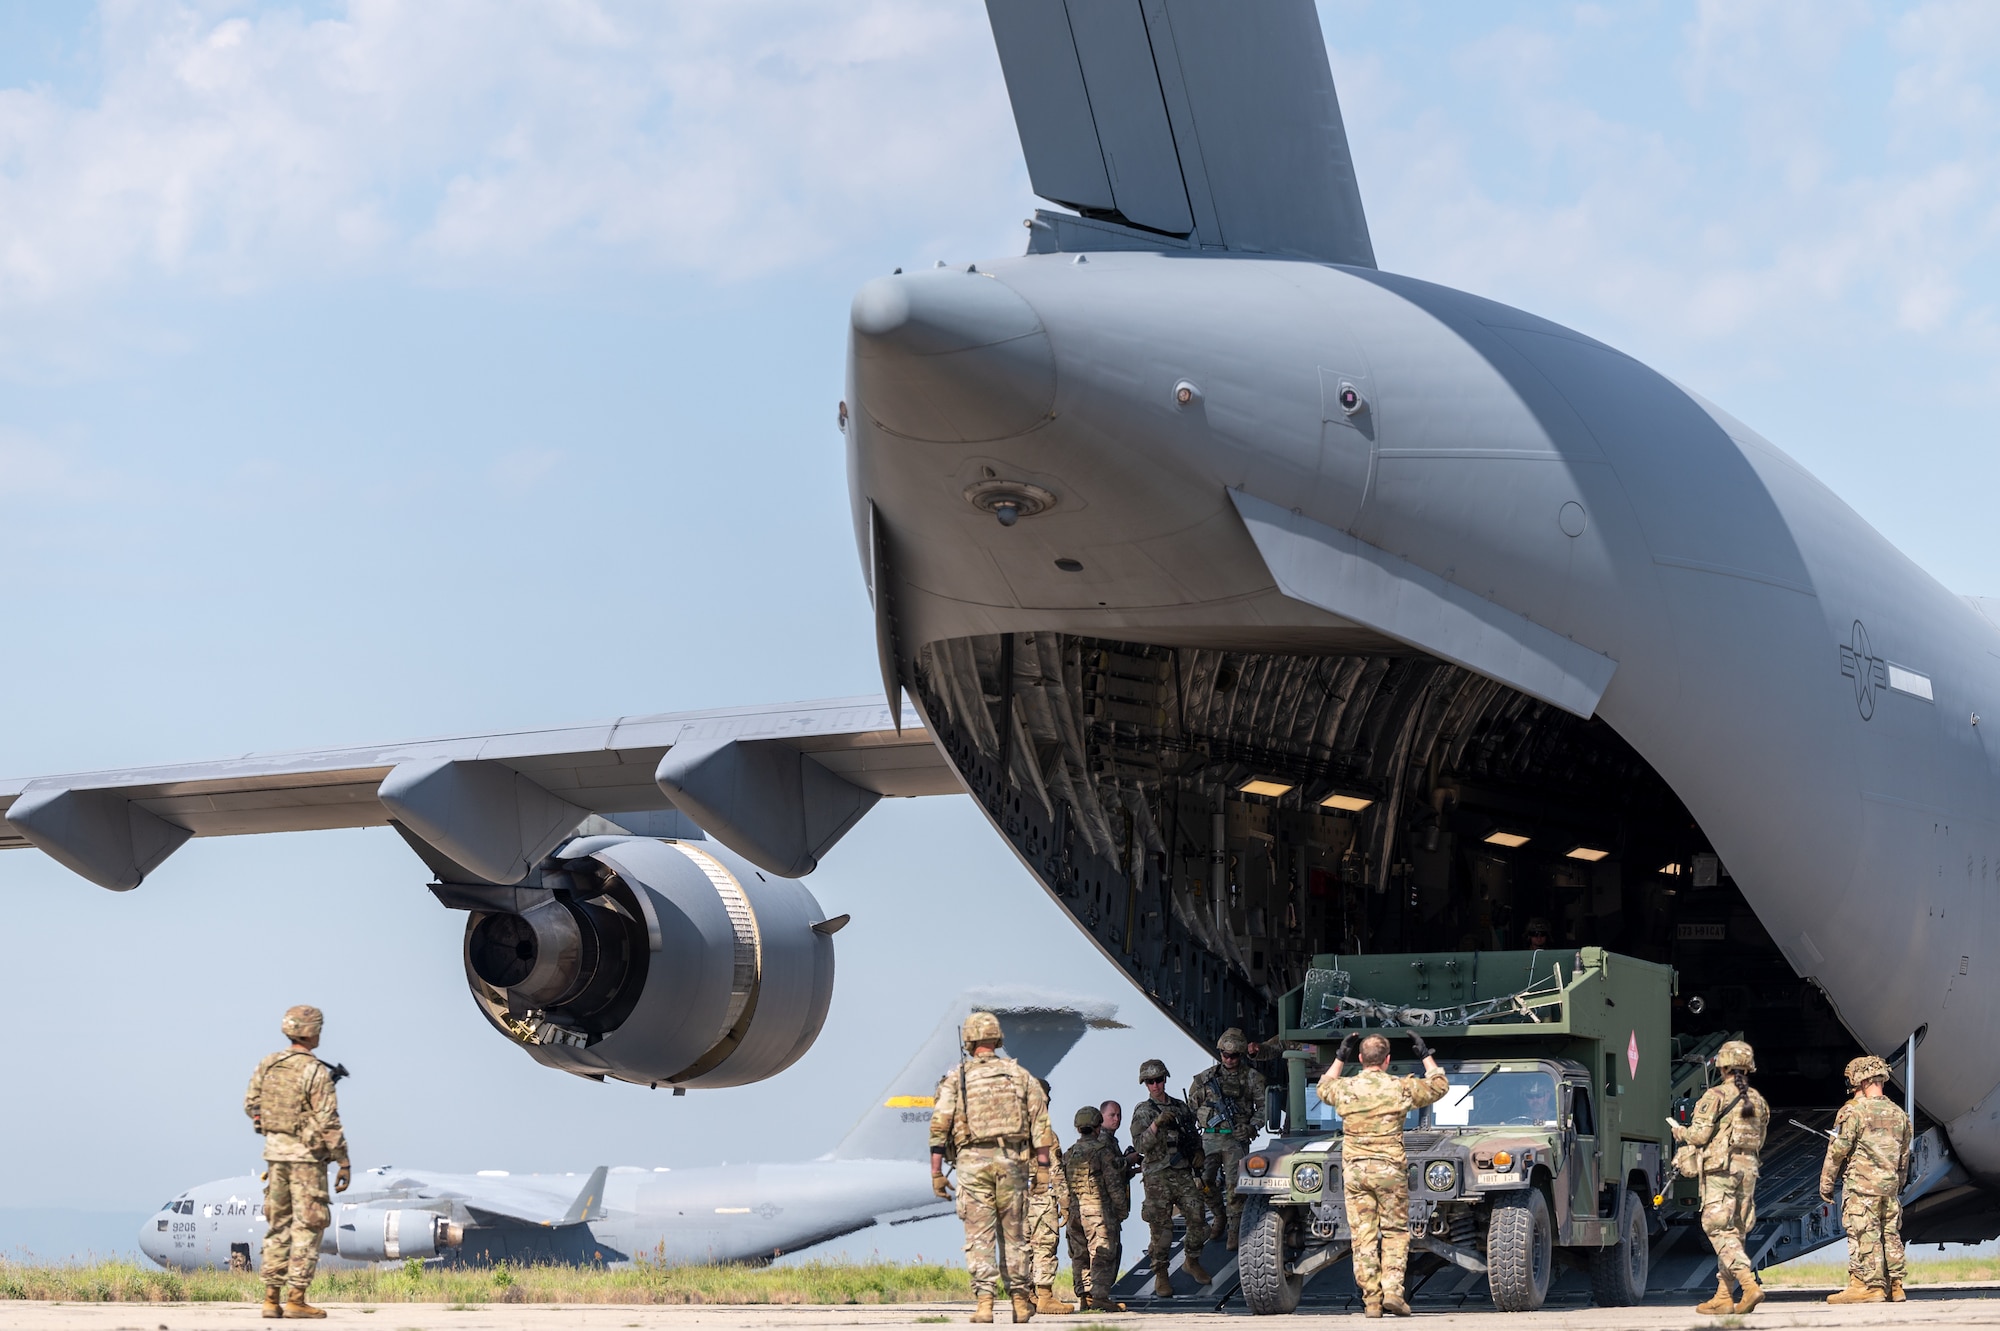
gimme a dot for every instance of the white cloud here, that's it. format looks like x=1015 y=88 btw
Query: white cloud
x=473 y=141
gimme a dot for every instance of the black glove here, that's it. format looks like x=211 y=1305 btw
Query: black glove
x=1348 y=1047
x=1417 y=1043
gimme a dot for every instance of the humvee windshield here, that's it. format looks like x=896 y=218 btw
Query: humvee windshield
x=1483 y=1098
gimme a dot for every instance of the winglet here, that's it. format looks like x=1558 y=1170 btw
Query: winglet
x=587 y=1205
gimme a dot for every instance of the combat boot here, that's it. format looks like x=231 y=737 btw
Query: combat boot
x=1395 y=1304
x=1024 y=1307
x=984 y=1312
x=1371 y=1307
x=296 y=1305
x=1857 y=1292
x=1163 y=1285
x=1048 y=1305
x=272 y=1293
x=1098 y=1305
x=1196 y=1271
x=1896 y=1294
x=1723 y=1302
x=1753 y=1294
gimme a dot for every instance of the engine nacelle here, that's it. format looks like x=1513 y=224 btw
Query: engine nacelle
x=368 y=1234
x=653 y=961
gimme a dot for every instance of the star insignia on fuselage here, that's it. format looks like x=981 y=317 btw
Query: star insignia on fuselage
x=1869 y=672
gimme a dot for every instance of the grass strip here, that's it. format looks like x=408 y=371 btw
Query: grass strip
x=1922 y=1271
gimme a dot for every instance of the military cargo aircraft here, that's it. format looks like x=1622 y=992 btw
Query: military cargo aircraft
x=879 y=1174
x=1270 y=605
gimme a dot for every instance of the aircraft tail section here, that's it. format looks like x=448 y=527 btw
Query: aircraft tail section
x=1182 y=123
x=1040 y=1027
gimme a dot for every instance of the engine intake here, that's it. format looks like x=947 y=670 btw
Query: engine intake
x=366 y=1234
x=652 y=961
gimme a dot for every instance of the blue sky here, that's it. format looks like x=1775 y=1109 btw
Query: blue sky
x=372 y=370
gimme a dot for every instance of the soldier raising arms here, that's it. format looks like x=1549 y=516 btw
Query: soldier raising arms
x=994 y=1116
x=1373 y=1178
x=291 y=1102
x=1869 y=1152
x=1728 y=1127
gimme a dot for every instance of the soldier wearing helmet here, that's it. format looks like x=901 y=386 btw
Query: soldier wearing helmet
x=291 y=1103
x=1169 y=1145
x=992 y=1116
x=1099 y=1204
x=1228 y=1103
x=1728 y=1128
x=1868 y=1158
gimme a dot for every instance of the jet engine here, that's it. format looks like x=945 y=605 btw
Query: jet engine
x=365 y=1234
x=652 y=961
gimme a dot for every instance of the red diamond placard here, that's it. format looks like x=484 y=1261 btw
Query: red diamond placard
x=1632 y=1054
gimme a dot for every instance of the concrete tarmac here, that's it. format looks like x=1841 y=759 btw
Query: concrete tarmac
x=1935 y=1308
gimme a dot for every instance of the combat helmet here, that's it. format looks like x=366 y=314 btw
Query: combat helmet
x=302 y=1022
x=1735 y=1056
x=1152 y=1068
x=1232 y=1041
x=1088 y=1119
x=1866 y=1069
x=981 y=1028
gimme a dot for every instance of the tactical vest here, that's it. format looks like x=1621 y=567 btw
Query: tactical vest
x=994 y=1106
x=281 y=1094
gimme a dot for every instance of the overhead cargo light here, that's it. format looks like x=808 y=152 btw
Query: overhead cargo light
x=1508 y=839
x=1263 y=785
x=1346 y=803
x=1672 y=870
x=1589 y=854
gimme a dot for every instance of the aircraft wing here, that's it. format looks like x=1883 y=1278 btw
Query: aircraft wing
x=777 y=784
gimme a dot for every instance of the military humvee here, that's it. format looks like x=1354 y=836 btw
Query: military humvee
x=1551 y=1144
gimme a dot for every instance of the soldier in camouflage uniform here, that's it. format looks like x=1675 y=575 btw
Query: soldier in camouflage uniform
x=1728 y=1128
x=1164 y=1131
x=1048 y=1216
x=291 y=1102
x=1374 y=1175
x=1228 y=1103
x=992 y=1117
x=1114 y=1119
x=1099 y=1204
x=1867 y=1158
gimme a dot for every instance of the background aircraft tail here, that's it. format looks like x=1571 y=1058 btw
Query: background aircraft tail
x=1040 y=1027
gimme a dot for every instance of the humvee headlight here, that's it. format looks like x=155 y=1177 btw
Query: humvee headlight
x=1503 y=1159
x=1307 y=1178
x=1441 y=1175
x=1256 y=1166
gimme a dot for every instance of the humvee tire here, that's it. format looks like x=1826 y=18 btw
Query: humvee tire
x=1520 y=1251
x=1260 y=1260
x=1618 y=1273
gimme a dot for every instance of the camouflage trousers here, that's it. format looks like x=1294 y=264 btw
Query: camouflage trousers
x=1167 y=1191
x=296 y=1214
x=1377 y=1193
x=1045 y=1229
x=1874 y=1228
x=1728 y=1213
x=993 y=1206
x=1219 y=1158
x=1093 y=1250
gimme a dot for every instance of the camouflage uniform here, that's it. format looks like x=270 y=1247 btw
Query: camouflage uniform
x=1229 y=1105
x=1731 y=1146
x=291 y=1100
x=1099 y=1204
x=1165 y=1135
x=1868 y=1154
x=996 y=1115
x=1048 y=1212
x=1373 y=1171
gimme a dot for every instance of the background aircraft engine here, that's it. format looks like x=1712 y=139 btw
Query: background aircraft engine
x=367 y=1235
x=652 y=961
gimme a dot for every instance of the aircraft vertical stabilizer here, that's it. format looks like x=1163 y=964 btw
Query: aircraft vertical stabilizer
x=1041 y=1028
x=1194 y=124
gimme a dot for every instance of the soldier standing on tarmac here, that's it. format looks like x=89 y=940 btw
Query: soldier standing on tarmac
x=1228 y=1103
x=1728 y=1128
x=1867 y=1158
x=1100 y=1204
x=1163 y=1129
x=992 y=1116
x=1048 y=1216
x=1128 y=1160
x=1373 y=1169
x=291 y=1103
